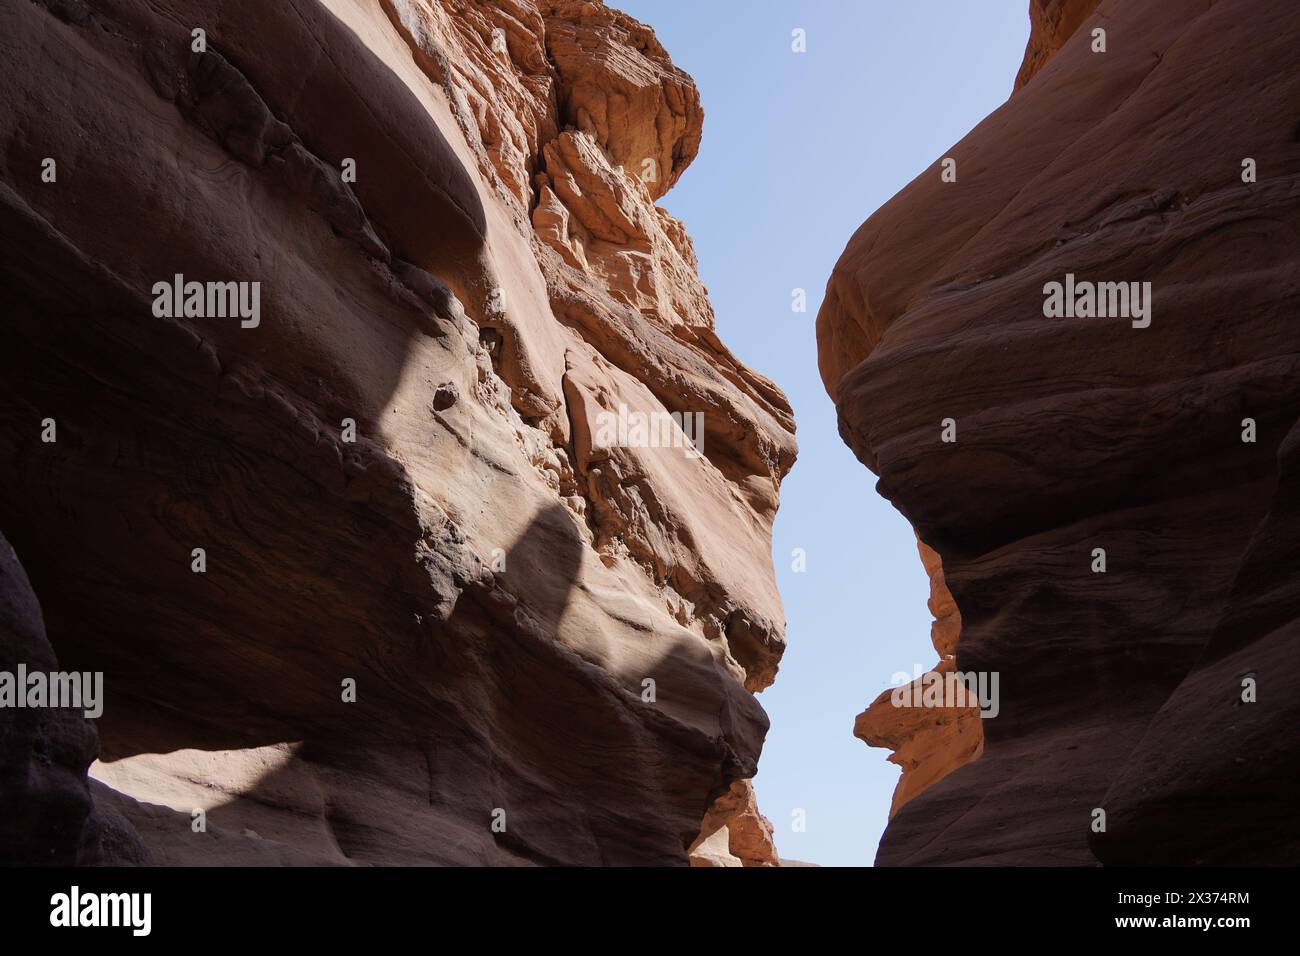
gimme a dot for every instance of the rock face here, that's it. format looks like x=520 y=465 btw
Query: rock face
x=734 y=832
x=370 y=577
x=927 y=743
x=50 y=816
x=44 y=752
x=1051 y=24
x=1161 y=691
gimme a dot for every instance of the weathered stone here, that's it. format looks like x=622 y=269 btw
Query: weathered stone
x=427 y=597
x=1119 y=690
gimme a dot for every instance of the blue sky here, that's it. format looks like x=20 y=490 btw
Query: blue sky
x=798 y=150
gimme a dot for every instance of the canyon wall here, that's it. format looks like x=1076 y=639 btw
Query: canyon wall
x=366 y=575
x=1115 y=512
x=928 y=743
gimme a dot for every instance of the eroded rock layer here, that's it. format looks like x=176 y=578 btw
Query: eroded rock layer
x=553 y=639
x=1173 y=157
x=928 y=743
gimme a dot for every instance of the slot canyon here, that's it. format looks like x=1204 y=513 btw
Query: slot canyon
x=367 y=585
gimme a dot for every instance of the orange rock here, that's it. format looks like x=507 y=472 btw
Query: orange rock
x=734 y=829
x=1051 y=24
x=928 y=743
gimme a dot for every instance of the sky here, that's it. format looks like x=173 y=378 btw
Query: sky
x=798 y=150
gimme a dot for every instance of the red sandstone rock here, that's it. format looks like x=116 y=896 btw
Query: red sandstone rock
x=44 y=752
x=735 y=830
x=498 y=585
x=1051 y=24
x=928 y=743
x=1120 y=691
x=50 y=817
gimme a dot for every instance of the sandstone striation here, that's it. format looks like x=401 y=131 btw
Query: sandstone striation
x=436 y=617
x=1170 y=447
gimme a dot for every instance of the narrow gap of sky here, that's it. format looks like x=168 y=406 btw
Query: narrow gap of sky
x=798 y=150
